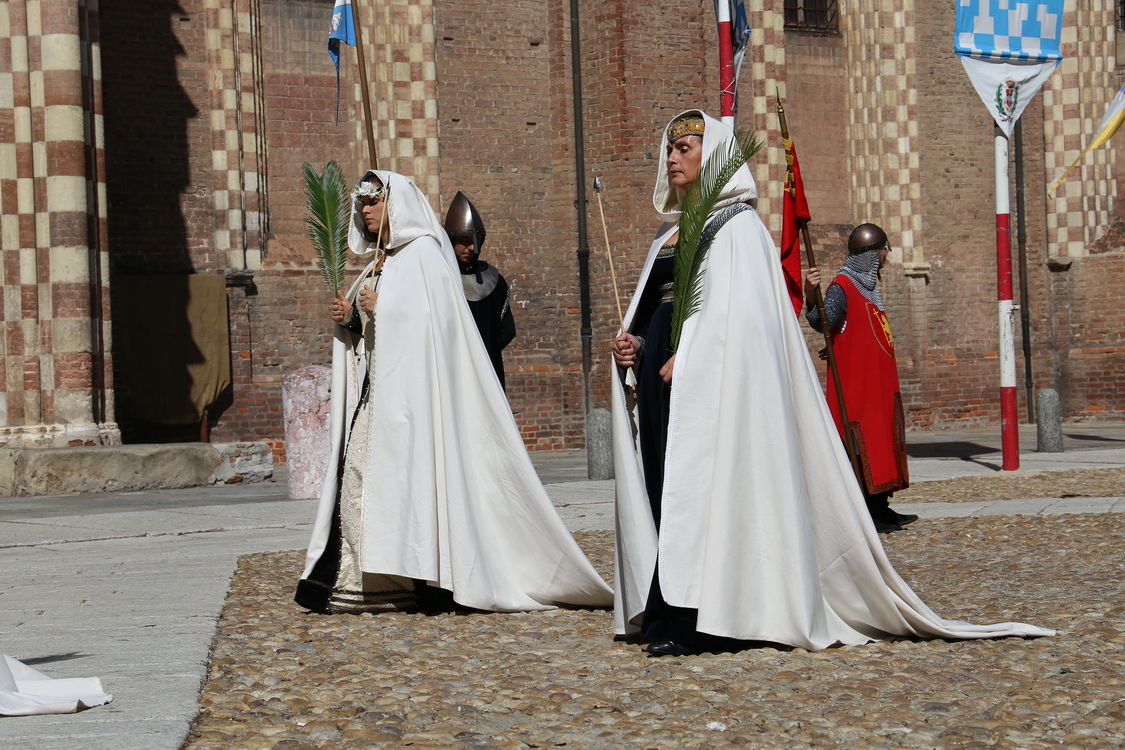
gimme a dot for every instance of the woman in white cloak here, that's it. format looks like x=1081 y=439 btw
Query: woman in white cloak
x=430 y=484
x=756 y=529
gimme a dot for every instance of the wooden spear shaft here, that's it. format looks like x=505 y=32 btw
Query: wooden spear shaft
x=818 y=299
x=608 y=254
x=371 y=152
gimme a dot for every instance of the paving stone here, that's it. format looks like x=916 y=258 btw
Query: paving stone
x=557 y=678
x=1016 y=486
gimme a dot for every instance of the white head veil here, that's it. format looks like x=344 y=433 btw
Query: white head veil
x=410 y=214
x=668 y=200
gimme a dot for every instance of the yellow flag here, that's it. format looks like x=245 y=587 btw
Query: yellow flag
x=1114 y=116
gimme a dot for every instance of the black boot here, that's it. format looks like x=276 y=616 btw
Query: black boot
x=886 y=520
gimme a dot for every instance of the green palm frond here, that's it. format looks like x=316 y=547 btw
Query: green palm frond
x=330 y=210
x=687 y=279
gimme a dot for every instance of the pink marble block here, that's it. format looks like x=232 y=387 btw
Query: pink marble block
x=305 y=396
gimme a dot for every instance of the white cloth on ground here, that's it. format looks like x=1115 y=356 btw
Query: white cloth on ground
x=764 y=529
x=26 y=692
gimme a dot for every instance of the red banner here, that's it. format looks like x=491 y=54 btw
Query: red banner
x=795 y=212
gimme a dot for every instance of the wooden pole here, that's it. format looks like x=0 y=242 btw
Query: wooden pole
x=371 y=151
x=818 y=299
x=608 y=254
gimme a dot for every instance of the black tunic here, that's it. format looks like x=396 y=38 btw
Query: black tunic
x=493 y=316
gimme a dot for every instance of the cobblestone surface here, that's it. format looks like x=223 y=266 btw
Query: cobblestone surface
x=281 y=678
x=1074 y=483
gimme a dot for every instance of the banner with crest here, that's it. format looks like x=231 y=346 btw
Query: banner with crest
x=1009 y=48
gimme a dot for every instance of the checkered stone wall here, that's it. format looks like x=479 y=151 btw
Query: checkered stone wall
x=398 y=37
x=761 y=81
x=883 y=121
x=54 y=390
x=884 y=118
x=234 y=56
x=1074 y=100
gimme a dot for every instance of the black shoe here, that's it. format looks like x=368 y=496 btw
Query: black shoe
x=904 y=518
x=634 y=638
x=668 y=648
x=885 y=528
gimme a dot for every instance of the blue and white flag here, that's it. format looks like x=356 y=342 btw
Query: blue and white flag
x=1009 y=48
x=740 y=31
x=740 y=37
x=340 y=29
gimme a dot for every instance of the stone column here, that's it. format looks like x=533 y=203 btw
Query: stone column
x=306 y=396
x=1048 y=426
x=55 y=388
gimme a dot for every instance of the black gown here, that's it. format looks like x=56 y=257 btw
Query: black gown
x=654 y=325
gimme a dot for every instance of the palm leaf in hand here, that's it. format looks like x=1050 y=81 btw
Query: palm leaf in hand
x=329 y=211
x=687 y=278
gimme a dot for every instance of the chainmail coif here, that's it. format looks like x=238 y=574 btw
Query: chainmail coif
x=863 y=270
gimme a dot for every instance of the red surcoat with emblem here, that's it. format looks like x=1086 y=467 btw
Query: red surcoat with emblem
x=865 y=356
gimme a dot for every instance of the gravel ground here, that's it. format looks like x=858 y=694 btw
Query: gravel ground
x=1017 y=486
x=282 y=678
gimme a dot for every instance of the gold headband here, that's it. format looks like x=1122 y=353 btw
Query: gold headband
x=686 y=125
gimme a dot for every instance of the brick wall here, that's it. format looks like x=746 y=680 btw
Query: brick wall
x=506 y=139
x=497 y=127
x=945 y=322
x=281 y=323
x=816 y=81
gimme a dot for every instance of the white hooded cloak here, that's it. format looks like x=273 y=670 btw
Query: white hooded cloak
x=449 y=494
x=764 y=529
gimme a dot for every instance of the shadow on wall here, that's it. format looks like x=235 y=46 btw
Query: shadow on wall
x=151 y=124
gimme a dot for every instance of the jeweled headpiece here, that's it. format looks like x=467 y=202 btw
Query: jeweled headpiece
x=368 y=190
x=686 y=125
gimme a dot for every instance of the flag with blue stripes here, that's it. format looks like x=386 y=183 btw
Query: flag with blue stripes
x=740 y=37
x=1009 y=30
x=740 y=30
x=340 y=29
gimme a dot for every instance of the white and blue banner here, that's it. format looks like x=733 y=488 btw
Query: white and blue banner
x=740 y=33
x=740 y=37
x=1009 y=48
x=340 y=29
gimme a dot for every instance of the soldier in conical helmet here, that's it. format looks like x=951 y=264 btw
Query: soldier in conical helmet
x=865 y=356
x=485 y=289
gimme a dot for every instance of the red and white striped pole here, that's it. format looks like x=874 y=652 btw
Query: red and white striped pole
x=726 y=63
x=1009 y=416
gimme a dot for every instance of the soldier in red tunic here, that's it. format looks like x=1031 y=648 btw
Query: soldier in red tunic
x=865 y=355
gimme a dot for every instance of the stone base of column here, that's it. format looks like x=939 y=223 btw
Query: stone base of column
x=131 y=468
x=60 y=435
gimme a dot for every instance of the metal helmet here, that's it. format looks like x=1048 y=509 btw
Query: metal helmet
x=866 y=237
x=462 y=220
